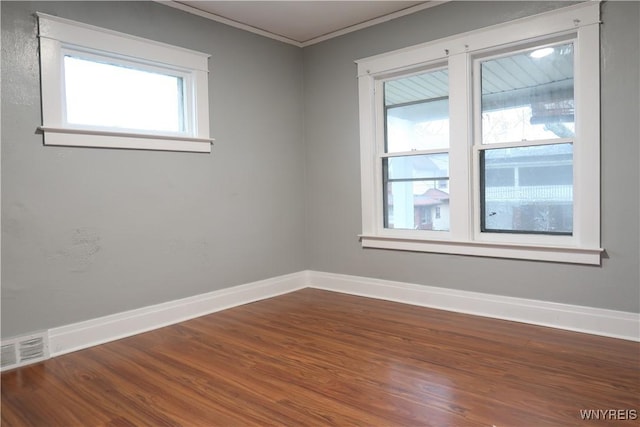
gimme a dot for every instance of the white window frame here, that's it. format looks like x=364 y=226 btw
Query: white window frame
x=580 y=23
x=59 y=36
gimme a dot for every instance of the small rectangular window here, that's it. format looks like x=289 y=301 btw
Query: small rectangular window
x=102 y=88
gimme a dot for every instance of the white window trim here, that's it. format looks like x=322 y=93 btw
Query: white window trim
x=582 y=21
x=57 y=35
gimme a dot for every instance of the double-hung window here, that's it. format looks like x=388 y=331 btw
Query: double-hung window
x=101 y=88
x=415 y=158
x=486 y=143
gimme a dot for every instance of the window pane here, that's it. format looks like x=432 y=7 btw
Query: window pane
x=528 y=96
x=527 y=189
x=499 y=177
x=417 y=206
x=417 y=112
x=114 y=96
x=417 y=167
x=417 y=192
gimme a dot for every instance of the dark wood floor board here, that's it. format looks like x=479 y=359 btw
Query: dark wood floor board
x=418 y=357
x=389 y=314
x=40 y=406
x=353 y=361
x=103 y=388
x=312 y=358
x=399 y=339
x=147 y=391
x=368 y=338
x=571 y=357
x=249 y=373
x=528 y=397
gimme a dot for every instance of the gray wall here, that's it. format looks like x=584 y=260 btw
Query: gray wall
x=90 y=232
x=333 y=171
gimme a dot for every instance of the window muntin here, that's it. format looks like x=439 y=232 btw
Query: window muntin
x=122 y=95
x=528 y=95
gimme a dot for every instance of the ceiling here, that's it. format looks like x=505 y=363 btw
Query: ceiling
x=301 y=22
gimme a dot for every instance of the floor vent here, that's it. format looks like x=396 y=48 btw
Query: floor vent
x=24 y=350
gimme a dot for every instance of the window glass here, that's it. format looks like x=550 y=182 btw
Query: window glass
x=527 y=189
x=499 y=177
x=417 y=194
x=115 y=96
x=528 y=95
x=418 y=167
x=417 y=112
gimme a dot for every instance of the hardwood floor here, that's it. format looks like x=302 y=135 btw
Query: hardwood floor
x=312 y=358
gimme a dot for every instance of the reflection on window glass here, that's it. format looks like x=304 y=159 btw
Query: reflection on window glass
x=527 y=189
x=417 y=195
x=418 y=167
x=417 y=112
x=499 y=177
x=113 y=96
x=528 y=96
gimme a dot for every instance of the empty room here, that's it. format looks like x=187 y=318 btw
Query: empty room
x=308 y=213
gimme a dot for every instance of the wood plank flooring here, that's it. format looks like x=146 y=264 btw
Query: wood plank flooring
x=313 y=358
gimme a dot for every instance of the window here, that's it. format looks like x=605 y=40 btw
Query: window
x=416 y=158
x=486 y=143
x=101 y=88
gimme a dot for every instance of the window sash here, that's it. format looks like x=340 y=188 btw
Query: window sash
x=414 y=204
x=553 y=192
x=184 y=114
x=515 y=49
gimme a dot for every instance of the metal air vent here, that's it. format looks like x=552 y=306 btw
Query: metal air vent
x=24 y=350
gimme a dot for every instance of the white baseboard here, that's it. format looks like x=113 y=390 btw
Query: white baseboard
x=610 y=323
x=77 y=336
x=596 y=321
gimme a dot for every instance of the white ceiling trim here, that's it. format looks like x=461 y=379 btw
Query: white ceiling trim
x=261 y=32
x=372 y=22
x=228 y=21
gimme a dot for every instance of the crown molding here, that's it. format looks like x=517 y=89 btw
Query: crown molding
x=297 y=43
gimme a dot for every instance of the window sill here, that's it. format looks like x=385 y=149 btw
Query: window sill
x=572 y=255
x=126 y=140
